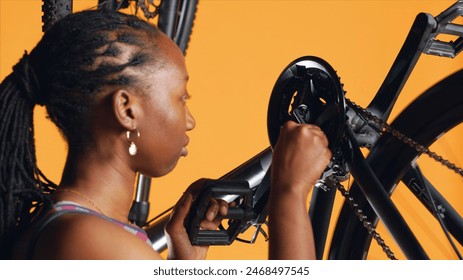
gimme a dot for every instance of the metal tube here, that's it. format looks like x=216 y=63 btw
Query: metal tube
x=253 y=171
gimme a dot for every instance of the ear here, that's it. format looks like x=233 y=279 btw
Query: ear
x=126 y=107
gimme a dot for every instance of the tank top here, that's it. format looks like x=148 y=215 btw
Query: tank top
x=66 y=207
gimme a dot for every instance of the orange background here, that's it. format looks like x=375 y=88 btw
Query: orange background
x=237 y=50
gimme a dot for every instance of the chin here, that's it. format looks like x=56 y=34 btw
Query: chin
x=161 y=172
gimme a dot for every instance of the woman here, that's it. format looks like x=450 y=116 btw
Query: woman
x=115 y=86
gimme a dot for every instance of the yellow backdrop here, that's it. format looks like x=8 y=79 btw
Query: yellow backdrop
x=237 y=50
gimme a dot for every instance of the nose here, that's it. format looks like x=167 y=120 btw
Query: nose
x=190 y=120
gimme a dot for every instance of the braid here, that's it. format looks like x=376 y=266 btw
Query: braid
x=22 y=184
x=78 y=57
x=97 y=49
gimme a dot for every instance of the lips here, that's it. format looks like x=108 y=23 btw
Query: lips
x=184 y=149
x=184 y=152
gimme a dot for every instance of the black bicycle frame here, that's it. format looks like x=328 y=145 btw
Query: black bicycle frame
x=421 y=38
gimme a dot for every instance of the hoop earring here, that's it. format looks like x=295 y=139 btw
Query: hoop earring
x=132 y=146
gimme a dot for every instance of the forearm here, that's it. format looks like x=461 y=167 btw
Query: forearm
x=299 y=157
x=290 y=229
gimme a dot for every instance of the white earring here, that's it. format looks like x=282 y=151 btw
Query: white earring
x=132 y=146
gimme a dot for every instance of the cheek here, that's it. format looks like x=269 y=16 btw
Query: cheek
x=172 y=130
x=162 y=140
x=172 y=124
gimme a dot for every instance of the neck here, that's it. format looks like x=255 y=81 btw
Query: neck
x=103 y=184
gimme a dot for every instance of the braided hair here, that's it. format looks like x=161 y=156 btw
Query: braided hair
x=78 y=57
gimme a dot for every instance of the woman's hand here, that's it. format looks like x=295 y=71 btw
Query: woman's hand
x=299 y=158
x=178 y=242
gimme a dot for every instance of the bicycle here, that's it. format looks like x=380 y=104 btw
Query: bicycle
x=318 y=97
x=392 y=156
x=174 y=18
x=309 y=90
x=350 y=239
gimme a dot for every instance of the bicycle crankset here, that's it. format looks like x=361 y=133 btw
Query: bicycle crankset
x=308 y=91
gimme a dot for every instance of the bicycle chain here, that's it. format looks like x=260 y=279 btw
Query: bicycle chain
x=365 y=222
x=406 y=140
x=384 y=127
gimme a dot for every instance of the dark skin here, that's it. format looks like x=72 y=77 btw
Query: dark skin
x=300 y=155
x=103 y=177
x=159 y=112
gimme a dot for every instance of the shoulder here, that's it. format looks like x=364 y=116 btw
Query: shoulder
x=81 y=236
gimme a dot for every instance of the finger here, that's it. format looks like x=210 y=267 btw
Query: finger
x=209 y=225
x=212 y=210
x=327 y=156
x=222 y=212
x=316 y=130
x=318 y=135
x=311 y=128
x=223 y=207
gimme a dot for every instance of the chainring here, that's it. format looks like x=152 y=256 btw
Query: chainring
x=308 y=91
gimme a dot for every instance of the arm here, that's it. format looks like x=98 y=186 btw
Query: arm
x=299 y=158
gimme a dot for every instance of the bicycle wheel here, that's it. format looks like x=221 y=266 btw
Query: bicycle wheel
x=174 y=17
x=54 y=10
x=433 y=114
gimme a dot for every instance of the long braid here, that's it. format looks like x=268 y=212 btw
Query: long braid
x=78 y=57
x=22 y=185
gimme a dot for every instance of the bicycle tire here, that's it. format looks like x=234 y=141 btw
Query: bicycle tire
x=54 y=10
x=176 y=17
x=424 y=120
x=177 y=27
